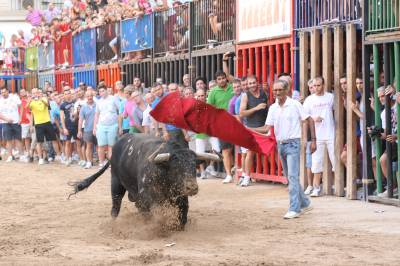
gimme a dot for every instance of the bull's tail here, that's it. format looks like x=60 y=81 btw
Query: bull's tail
x=84 y=184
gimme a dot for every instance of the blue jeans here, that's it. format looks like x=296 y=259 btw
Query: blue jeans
x=289 y=154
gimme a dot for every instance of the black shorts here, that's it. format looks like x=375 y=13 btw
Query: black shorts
x=72 y=133
x=225 y=145
x=45 y=131
x=11 y=131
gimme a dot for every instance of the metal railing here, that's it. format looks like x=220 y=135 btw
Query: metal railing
x=213 y=22
x=383 y=15
x=311 y=13
x=84 y=47
x=172 y=30
x=46 y=56
x=12 y=60
x=106 y=41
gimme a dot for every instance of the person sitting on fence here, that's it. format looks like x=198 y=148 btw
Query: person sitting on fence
x=180 y=26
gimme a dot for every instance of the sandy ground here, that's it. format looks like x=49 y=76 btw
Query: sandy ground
x=228 y=226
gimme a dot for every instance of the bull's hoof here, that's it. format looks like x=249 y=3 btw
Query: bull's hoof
x=114 y=212
x=132 y=198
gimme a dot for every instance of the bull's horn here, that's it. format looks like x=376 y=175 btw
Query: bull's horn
x=154 y=154
x=162 y=157
x=207 y=156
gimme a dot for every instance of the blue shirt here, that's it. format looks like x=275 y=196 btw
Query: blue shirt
x=54 y=112
x=87 y=113
x=125 y=121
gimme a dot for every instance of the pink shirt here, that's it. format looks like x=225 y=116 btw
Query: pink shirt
x=34 y=17
x=128 y=111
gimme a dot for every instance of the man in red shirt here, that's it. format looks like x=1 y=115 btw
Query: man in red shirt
x=25 y=121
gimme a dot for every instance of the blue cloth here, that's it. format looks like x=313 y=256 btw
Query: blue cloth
x=87 y=113
x=289 y=154
x=237 y=104
x=155 y=102
x=54 y=112
x=125 y=121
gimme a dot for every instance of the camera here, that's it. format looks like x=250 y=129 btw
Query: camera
x=375 y=132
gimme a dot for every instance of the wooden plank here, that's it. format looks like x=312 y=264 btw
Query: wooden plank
x=339 y=109
x=315 y=53
x=386 y=201
x=327 y=177
x=304 y=77
x=351 y=171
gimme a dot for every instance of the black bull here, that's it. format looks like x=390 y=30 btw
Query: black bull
x=153 y=172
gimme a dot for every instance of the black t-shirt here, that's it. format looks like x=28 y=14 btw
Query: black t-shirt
x=70 y=121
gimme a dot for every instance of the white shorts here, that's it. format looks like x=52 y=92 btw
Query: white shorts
x=318 y=156
x=25 y=131
x=243 y=150
x=201 y=144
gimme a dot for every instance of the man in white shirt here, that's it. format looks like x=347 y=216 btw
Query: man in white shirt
x=285 y=116
x=319 y=106
x=10 y=113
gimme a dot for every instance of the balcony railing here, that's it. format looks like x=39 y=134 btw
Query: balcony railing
x=383 y=15
x=312 y=13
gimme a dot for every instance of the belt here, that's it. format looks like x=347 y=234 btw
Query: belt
x=286 y=141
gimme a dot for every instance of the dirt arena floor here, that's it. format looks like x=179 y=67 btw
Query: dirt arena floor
x=228 y=226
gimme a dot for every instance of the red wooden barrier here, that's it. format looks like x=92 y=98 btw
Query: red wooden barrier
x=266 y=60
x=110 y=73
x=63 y=76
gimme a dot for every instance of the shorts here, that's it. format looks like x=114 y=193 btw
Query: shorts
x=72 y=134
x=25 y=134
x=11 y=132
x=225 y=145
x=106 y=135
x=201 y=144
x=308 y=155
x=45 y=131
x=89 y=137
x=317 y=158
x=243 y=150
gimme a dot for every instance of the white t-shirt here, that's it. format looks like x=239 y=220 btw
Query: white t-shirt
x=147 y=117
x=322 y=106
x=9 y=107
x=393 y=121
x=286 y=119
x=108 y=111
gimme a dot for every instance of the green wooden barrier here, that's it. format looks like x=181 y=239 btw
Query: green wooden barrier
x=31 y=58
x=383 y=15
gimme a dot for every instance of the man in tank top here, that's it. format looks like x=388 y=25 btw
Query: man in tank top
x=253 y=107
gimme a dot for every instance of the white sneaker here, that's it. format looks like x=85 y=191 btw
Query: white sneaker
x=228 y=179
x=41 y=162
x=385 y=193
x=88 y=165
x=58 y=158
x=291 y=215
x=50 y=159
x=308 y=190
x=316 y=192
x=82 y=163
x=203 y=175
x=211 y=171
x=9 y=159
x=23 y=159
x=68 y=162
x=245 y=182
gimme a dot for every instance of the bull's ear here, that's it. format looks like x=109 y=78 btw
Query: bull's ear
x=203 y=156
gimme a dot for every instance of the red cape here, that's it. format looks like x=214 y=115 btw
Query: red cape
x=200 y=117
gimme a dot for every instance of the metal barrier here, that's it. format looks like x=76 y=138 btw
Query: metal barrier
x=46 y=56
x=63 y=77
x=86 y=75
x=63 y=50
x=172 y=68
x=213 y=22
x=31 y=58
x=383 y=15
x=46 y=76
x=206 y=63
x=137 y=34
x=84 y=47
x=317 y=13
x=171 y=30
x=110 y=74
x=266 y=60
x=13 y=60
x=142 y=70
x=107 y=42
x=30 y=81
